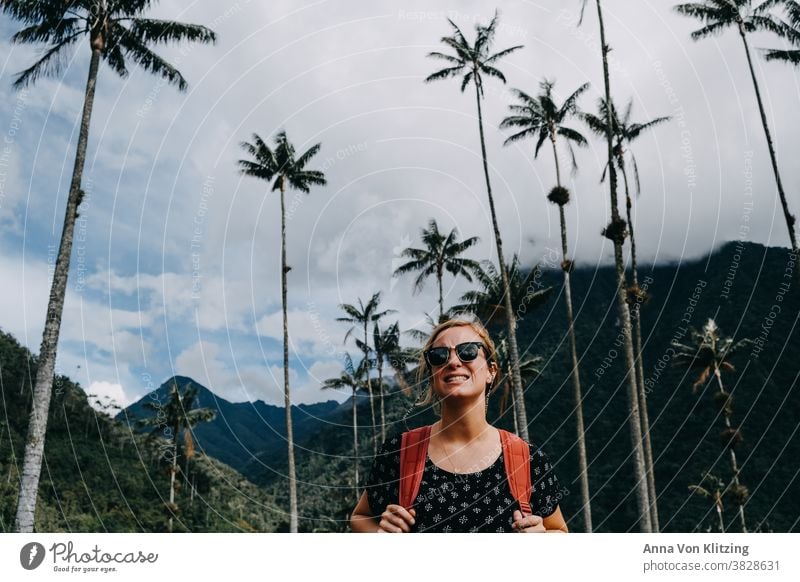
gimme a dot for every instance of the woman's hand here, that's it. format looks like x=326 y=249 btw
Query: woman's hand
x=528 y=524
x=396 y=519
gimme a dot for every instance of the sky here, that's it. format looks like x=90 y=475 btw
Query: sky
x=175 y=268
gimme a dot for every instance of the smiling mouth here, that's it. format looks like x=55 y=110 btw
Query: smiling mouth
x=456 y=378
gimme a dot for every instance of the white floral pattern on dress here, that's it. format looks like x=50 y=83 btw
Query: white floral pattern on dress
x=443 y=504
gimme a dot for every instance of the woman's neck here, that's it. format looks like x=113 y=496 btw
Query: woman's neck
x=463 y=425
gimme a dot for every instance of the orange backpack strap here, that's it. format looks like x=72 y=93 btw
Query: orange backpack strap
x=413 y=452
x=517 y=457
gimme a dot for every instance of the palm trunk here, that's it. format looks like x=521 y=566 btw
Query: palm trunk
x=380 y=395
x=172 y=472
x=516 y=380
x=790 y=219
x=355 y=441
x=637 y=338
x=734 y=465
x=287 y=400
x=574 y=372
x=369 y=395
x=439 y=276
x=37 y=427
x=624 y=314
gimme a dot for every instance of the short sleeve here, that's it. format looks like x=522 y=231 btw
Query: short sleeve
x=545 y=492
x=382 y=485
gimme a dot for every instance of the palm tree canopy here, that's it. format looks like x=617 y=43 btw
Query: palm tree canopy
x=541 y=118
x=471 y=60
x=624 y=132
x=718 y=15
x=351 y=377
x=707 y=353
x=362 y=315
x=441 y=253
x=488 y=303
x=791 y=29
x=117 y=28
x=281 y=163
x=179 y=414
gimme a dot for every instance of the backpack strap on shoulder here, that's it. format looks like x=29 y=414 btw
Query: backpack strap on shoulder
x=413 y=452
x=517 y=458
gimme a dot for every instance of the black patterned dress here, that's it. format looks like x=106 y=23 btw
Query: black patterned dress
x=461 y=502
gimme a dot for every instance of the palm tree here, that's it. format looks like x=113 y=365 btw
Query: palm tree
x=709 y=356
x=289 y=171
x=541 y=118
x=792 y=31
x=119 y=34
x=354 y=379
x=625 y=132
x=616 y=231
x=712 y=487
x=472 y=62
x=363 y=315
x=388 y=349
x=441 y=253
x=747 y=17
x=488 y=301
x=177 y=416
x=529 y=369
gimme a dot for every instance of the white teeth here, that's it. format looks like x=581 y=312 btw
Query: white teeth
x=454 y=377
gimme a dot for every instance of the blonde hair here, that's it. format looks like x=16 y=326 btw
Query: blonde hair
x=424 y=374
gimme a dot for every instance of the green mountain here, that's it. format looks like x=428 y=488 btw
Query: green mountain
x=101 y=476
x=98 y=476
x=243 y=435
x=738 y=286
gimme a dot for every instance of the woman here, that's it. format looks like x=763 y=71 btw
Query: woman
x=464 y=486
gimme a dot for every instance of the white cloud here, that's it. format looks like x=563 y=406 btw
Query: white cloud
x=102 y=394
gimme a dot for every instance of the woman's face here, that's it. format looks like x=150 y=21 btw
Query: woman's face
x=457 y=379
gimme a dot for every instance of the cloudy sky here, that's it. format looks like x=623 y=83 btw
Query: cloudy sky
x=176 y=266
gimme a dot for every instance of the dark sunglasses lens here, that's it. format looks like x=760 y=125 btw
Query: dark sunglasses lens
x=438 y=356
x=467 y=352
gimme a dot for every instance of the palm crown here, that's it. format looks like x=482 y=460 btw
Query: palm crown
x=717 y=15
x=471 y=61
x=792 y=31
x=542 y=118
x=116 y=28
x=281 y=164
x=623 y=130
x=708 y=352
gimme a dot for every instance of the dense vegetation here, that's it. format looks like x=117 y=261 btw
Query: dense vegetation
x=100 y=475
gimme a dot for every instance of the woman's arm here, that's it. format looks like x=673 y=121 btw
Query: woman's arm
x=361 y=520
x=553 y=523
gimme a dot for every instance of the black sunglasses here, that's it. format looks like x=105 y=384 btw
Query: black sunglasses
x=466 y=352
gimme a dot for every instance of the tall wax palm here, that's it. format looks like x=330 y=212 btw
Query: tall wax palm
x=353 y=378
x=440 y=253
x=388 y=349
x=288 y=171
x=616 y=232
x=542 y=118
x=119 y=34
x=709 y=355
x=529 y=369
x=471 y=61
x=363 y=315
x=625 y=132
x=179 y=415
x=746 y=16
x=792 y=30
